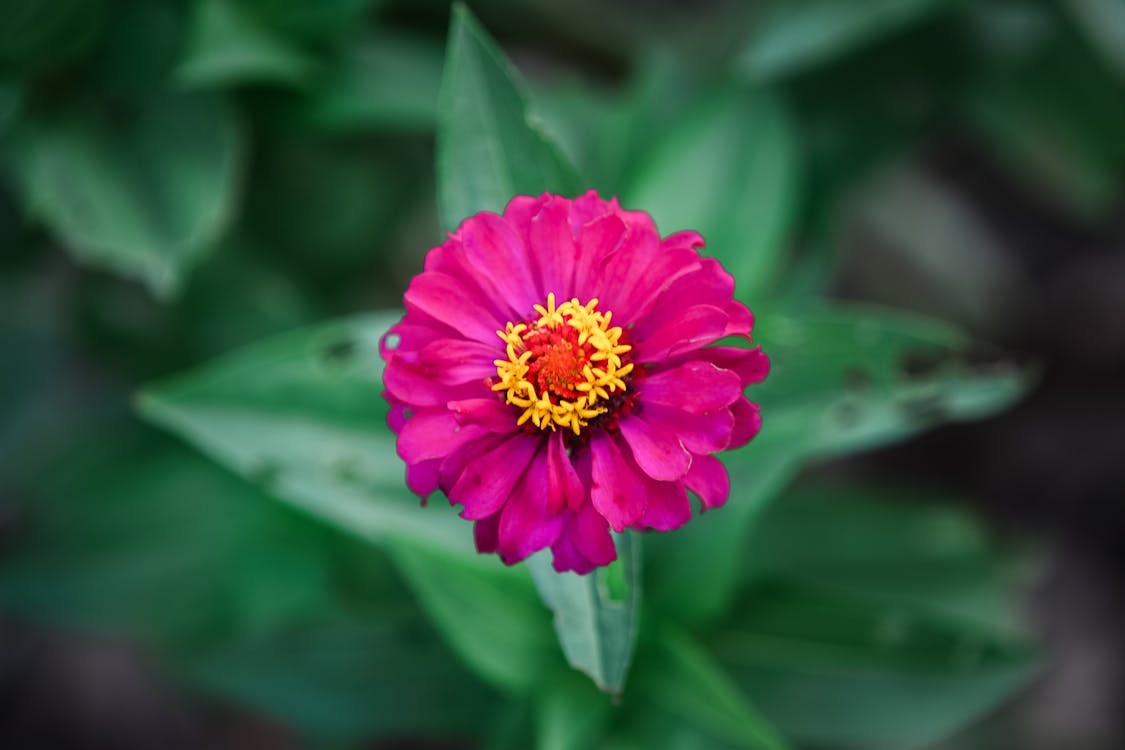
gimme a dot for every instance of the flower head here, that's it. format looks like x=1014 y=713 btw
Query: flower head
x=556 y=376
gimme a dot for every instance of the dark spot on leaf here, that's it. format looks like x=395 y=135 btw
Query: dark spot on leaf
x=346 y=469
x=339 y=353
x=856 y=379
x=922 y=363
x=848 y=414
x=265 y=473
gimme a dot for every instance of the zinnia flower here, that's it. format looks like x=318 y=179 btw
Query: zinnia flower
x=554 y=376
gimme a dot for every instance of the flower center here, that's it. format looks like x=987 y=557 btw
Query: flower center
x=563 y=368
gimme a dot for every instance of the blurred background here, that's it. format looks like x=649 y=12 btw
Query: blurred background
x=179 y=178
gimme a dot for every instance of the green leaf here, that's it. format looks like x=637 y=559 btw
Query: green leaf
x=1103 y=22
x=805 y=33
x=347 y=675
x=11 y=98
x=490 y=146
x=871 y=624
x=382 y=81
x=302 y=415
x=729 y=171
x=841 y=381
x=596 y=614
x=229 y=46
x=489 y=613
x=145 y=197
x=846 y=380
x=681 y=678
x=572 y=714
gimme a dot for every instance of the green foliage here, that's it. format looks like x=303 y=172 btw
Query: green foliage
x=179 y=179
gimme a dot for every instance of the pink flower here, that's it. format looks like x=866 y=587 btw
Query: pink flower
x=554 y=376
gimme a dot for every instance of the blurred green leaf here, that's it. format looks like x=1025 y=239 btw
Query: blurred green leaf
x=145 y=197
x=301 y=414
x=347 y=675
x=228 y=46
x=802 y=34
x=11 y=97
x=41 y=35
x=490 y=147
x=841 y=381
x=596 y=615
x=572 y=714
x=729 y=171
x=846 y=380
x=387 y=80
x=872 y=622
x=680 y=677
x=489 y=613
x=1103 y=22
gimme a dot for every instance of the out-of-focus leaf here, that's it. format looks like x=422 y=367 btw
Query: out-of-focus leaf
x=11 y=97
x=841 y=381
x=228 y=46
x=383 y=81
x=323 y=22
x=1103 y=21
x=490 y=147
x=596 y=614
x=35 y=34
x=1054 y=115
x=146 y=197
x=679 y=677
x=899 y=546
x=873 y=620
x=347 y=675
x=302 y=415
x=799 y=35
x=847 y=380
x=571 y=715
x=729 y=171
x=489 y=613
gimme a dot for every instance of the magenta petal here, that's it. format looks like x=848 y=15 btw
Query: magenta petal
x=616 y=491
x=668 y=506
x=590 y=533
x=422 y=477
x=693 y=328
x=709 y=480
x=433 y=433
x=486 y=533
x=486 y=483
x=656 y=450
x=739 y=319
x=564 y=488
x=527 y=524
x=565 y=555
x=443 y=298
x=488 y=413
x=597 y=240
x=552 y=247
x=499 y=255
x=454 y=464
x=747 y=422
x=694 y=386
x=700 y=433
x=751 y=365
x=456 y=361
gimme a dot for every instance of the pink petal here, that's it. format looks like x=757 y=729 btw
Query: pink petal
x=693 y=328
x=455 y=361
x=747 y=422
x=567 y=557
x=739 y=319
x=667 y=505
x=500 y=255
x=527 y=524
x=685 y=240
x=708 y=432
x=433 y=433
x=616 y=491
x=454 y=464
x=709 y=480
x=695 y=386
x=409 y=384
x=751 y=365
x=422 y=477
x=591 y=536
x=486 y=533
x=596 y=241
x=444 y=298
x=656 y=450
x=486 y=483
x=552 y=248
x=488 y=413
x=564 y=488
